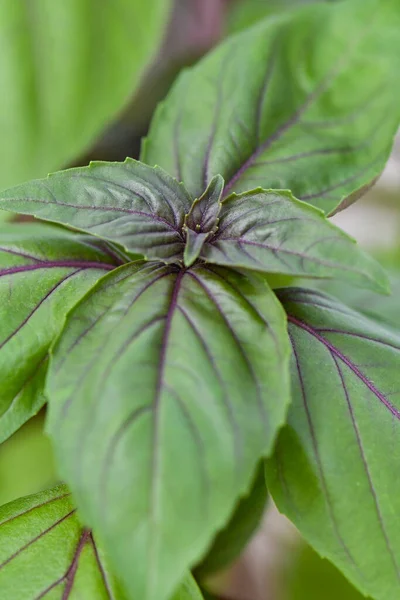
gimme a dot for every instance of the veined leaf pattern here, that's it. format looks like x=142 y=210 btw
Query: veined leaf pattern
x=333 y=468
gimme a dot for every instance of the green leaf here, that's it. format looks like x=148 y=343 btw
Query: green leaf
x=308 y=574
x=379 y=308
x=43 y=273
x=289 y=104
x=248 y=12
x=273 y=232
x=166 y=388
x=60 y=90
x=230 y=542
x=46 y=553
x=188 y=590
x=141 y=208
x=4 y=217
x=334 y=468
x=202 y=220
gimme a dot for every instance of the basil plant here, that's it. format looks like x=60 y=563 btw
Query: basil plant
x=181 y=382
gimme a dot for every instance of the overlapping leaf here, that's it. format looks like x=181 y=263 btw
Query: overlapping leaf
x=46 y=553
x=43 y=273
x=140 y=208
x=165 y=389
x=384 y=309
x=289 y=104
x=272 y=231
x=231 y=541
x=335 y=464
x=66 y=70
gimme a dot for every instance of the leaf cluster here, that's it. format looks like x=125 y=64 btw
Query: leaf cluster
x=141 y=310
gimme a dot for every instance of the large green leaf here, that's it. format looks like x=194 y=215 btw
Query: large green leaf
x=66 y=70
x=46 y=553
x=141 y=208
x=291 y=104
x=335 y=464
x=272 y=231
x=233 y=538
x=166 y=388
x=43 y=273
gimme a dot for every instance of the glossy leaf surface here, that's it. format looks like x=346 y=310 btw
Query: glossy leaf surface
x=289 y=104
x=165 y=389
x=140 y=208
x=273 y=232
x=46 y=553
x=333 y=471
x=43 y=273
x=61 y=90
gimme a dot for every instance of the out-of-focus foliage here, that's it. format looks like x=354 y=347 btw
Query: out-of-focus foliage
x=313 y=578
x=247 y=12
x=382 y=308
x=66 y=69
x=26 y=462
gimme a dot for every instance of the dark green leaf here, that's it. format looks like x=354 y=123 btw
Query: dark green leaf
x=230 y=542
x=273 y=232
x=193 y=245
x=43 y=273
x=138 y=207
x=202 y=220
x=292 y=103
x=66 y=70
x=334 y=472
x=165 y=389
x=204 y=212
x=46 y=553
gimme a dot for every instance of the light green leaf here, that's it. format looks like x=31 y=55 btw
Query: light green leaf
x=66 y=70
x=43 y=272
x=334 y=468
x=248 y=12
x=289 y=104
x=273 y=232
x=46 y=553
x=4 y=217
x=141 y=208
x=230 y=542
x=166 y=388
x=188 y=590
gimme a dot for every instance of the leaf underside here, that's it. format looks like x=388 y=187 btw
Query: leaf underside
x=154 y=430
x=334 y=468
x=289 y=104
x=43 y=273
